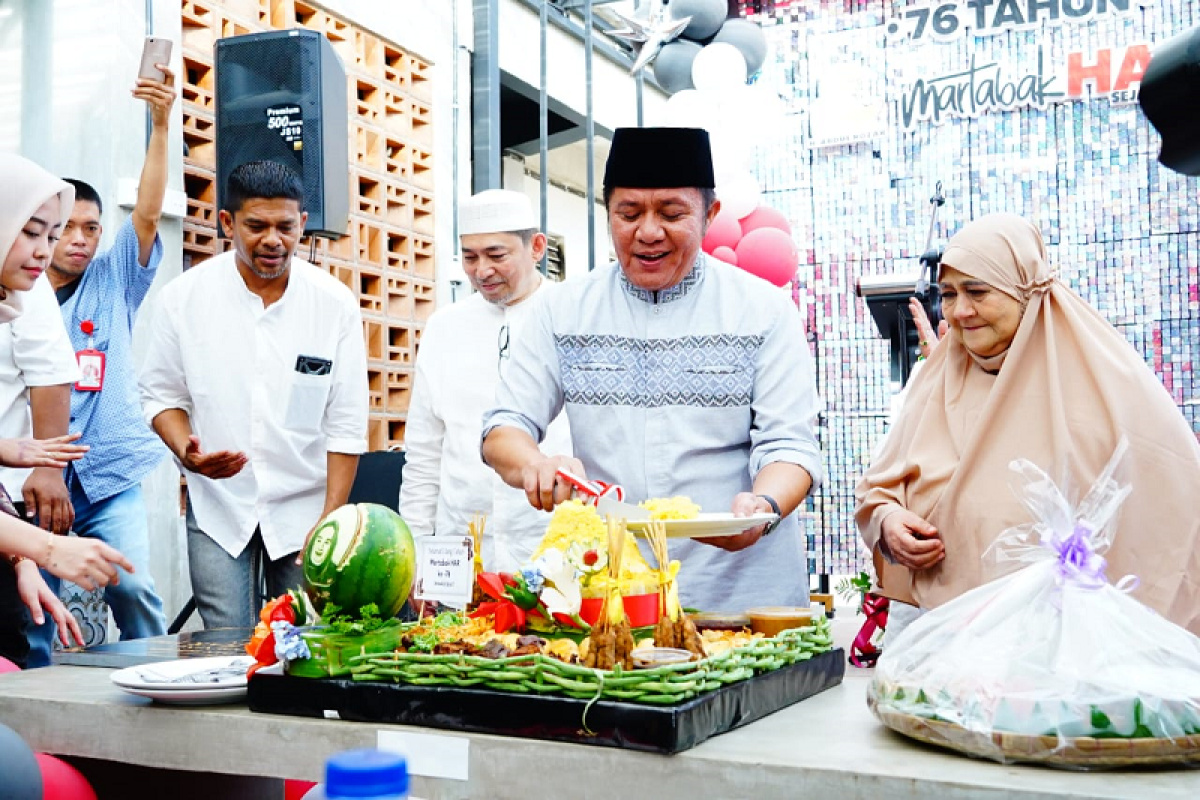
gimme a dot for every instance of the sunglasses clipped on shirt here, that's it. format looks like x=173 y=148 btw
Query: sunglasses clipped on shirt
x=502 y=346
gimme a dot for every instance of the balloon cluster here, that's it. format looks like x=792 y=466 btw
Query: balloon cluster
x=760 y=243
x=705 y=51
x=705 y=72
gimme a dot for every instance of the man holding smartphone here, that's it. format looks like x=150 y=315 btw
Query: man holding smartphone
x=99 y=296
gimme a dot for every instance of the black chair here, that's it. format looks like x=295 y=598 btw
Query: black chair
x=380 y=473
x=378 y=479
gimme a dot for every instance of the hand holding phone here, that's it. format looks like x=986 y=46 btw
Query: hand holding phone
x=155 y=50
x=156 y=86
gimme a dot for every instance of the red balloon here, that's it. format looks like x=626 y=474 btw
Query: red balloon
x=296 y=790
x=7 y=666
x=763 y=217
x=768 y=253
x=61 y=781
x=724 y=231
x=726 y=254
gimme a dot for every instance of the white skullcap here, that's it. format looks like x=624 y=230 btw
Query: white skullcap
x=496 y=211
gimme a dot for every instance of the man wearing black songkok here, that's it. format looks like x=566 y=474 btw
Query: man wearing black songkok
x=681 y=375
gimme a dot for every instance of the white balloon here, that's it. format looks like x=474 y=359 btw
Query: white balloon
x=718 y=66
x=735 y=110
x=738 y=192
x=729 y=153
x=687 y=109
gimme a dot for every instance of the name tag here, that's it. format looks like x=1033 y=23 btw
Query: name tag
x=91 y=370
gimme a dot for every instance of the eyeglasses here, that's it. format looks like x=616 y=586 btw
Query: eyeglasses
x=502 y=346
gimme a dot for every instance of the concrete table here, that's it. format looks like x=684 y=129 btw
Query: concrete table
x=829 y=743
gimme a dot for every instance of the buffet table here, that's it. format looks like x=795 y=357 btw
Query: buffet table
x=828 y=743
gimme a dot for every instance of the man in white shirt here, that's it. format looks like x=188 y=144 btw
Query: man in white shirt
x=256 y=379
x=464 y=349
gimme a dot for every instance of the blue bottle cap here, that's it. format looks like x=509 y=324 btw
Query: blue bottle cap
x=366 y=773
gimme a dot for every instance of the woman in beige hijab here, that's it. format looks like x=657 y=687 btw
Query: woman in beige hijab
x=1028 y=370
x=33 y=205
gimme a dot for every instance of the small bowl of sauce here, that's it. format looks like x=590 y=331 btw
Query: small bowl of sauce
x=651 y=657
x=770 y=620
x=720 y=621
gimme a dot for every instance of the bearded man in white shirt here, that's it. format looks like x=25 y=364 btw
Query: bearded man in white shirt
x=256 y=379
x=464 y=350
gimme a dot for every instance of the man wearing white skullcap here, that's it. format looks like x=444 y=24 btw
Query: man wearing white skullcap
x=464 y=349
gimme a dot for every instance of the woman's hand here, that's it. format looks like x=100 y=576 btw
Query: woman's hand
x=38 y=598
x=56 y=452
x=87 y=562
x=926 y=338
x=912 y=541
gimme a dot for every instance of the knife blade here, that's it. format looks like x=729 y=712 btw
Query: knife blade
x=609 y=506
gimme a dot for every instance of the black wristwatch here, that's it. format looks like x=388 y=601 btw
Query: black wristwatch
x=774 y=507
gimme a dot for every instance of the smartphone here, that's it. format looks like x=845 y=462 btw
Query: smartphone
x=155 y=50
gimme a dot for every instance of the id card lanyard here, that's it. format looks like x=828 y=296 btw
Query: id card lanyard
x=91 y=362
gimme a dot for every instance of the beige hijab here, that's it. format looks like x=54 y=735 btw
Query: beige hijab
x=1069 y=388
x=24 y=186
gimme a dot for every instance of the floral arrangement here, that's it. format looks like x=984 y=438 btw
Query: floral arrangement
x=276 y=637
x=578 y=533
x=539 y=596
x=865 y=650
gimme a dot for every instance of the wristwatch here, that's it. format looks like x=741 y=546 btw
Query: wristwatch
x=778 y=514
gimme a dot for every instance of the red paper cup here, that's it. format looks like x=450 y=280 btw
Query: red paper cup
x=640 y=609
x=589 y=609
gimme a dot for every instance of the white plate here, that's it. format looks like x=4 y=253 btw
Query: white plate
x=191 y=697
x=186 y=675
x=705 y=525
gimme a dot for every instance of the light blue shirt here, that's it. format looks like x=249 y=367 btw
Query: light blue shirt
x=688 y=391
x=124 y=448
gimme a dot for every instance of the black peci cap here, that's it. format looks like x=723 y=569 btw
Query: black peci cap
x=659 y=158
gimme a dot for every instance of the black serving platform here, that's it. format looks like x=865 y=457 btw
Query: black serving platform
x=632 y=726
x=134 y=652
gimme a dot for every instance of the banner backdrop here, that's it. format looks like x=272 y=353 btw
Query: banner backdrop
x=1026 y=106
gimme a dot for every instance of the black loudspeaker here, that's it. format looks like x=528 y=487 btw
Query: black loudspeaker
x=281 y=96
x=1170 y=96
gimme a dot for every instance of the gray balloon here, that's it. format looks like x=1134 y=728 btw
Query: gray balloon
x=748 y=38
x=673 y=65
x=19 y=768
x=707 y=16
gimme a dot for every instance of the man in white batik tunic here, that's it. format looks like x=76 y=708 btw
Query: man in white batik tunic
x=681 y=375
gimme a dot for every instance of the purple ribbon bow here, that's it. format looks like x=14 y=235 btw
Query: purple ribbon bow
x=1080 y=565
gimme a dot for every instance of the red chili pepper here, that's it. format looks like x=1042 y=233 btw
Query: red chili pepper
x=284 y=612
x=483 y=610
x=265 y=652
x=492 y=585
x=509 y=579
x=565 y=619
x=509 y=616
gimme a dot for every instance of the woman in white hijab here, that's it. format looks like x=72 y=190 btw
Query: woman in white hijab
x=33 y=206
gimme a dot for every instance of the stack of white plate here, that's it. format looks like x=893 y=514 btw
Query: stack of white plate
x=188 y=681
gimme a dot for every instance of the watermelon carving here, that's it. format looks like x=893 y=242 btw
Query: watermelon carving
x=360 y=554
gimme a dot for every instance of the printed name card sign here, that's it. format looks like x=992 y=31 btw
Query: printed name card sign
x=445 y=569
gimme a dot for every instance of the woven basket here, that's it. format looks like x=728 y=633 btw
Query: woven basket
x=539 y=674
x=1083 y=752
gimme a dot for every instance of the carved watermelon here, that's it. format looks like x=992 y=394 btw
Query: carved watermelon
x=360 y=554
